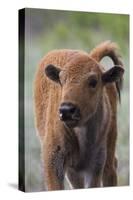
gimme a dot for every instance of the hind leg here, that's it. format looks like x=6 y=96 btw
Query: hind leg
x=110 y=169
x=110 y=174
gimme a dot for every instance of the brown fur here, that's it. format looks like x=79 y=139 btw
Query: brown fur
x=86 y=152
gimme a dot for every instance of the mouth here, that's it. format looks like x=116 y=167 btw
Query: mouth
x=72 y=122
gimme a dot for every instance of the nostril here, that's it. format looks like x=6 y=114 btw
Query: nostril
x=60 y=110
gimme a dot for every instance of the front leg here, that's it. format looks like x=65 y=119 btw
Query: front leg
x=53 y=157
x=96 y=180
x=97 y=172
x=75 y=179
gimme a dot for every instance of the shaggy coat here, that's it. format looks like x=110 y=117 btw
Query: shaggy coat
x=76 y=116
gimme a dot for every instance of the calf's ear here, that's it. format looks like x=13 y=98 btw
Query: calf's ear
x=52 y=73
x=113 y=74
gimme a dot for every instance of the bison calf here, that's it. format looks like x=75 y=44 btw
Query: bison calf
x=76 y=116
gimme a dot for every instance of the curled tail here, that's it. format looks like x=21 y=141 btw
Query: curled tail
x=109 y=49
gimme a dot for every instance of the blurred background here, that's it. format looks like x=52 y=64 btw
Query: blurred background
x=52 y=29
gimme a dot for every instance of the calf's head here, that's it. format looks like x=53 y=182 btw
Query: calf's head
x=82 y=81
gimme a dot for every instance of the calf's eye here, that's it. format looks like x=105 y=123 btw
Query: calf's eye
x=92 y=83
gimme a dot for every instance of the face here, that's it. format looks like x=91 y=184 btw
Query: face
x=82 y=88
x=81 y=92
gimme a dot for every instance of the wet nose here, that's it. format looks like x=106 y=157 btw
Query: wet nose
x=69 y=111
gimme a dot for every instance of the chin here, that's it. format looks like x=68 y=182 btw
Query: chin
x=71 y=124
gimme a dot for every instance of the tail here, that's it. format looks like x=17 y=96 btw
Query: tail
x=109 y=49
